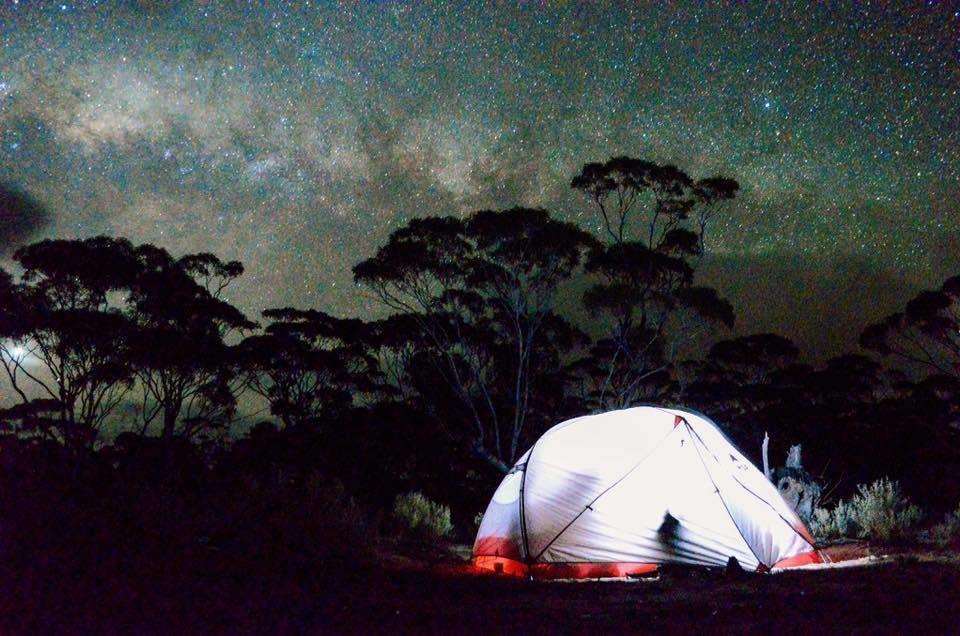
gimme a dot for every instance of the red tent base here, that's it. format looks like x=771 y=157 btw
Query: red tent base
x=806 y=558
x=548 y=571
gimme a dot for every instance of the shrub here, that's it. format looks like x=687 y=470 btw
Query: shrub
x=830 y=525
x=421 y=518
x=340 y=510
x=878 y=511
x=317 y=520
x=882 y=513
x=944 y=533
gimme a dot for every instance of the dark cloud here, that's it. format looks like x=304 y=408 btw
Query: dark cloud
x=822 y=306
x=21 y=217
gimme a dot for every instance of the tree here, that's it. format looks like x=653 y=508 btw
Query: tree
x=923 y=342
x=751 y=359
x=523 y=256
x=34 y=419
x=64 y=335
x=394 y=343
x=180 y=352
x=654 y=218
x=741 y=376
x=481 y=292
x=926 y=335
x=308 y=364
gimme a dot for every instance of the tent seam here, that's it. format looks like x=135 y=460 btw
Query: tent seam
x=777 y=512
x=745 y=487
x=602 y=493
x=716 y=489
x=522 y=505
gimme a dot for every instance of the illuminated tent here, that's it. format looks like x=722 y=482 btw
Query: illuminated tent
x=616 y=494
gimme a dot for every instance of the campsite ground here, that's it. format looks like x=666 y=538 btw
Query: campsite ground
x=901 y=593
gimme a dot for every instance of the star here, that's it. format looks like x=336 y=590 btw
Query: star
x=303 y=134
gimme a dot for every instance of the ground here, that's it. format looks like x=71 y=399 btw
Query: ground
x=915 y=593
x=895 y=594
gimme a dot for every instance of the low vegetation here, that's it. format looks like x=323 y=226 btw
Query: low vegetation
x=833 y=524
x=945 y=533
x=423 y=519
x=878 y=512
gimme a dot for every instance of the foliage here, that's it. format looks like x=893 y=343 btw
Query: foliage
x=654 y=219
x=882 y=512
x=91 y=319
x=422 y=518
x=830 y=525
x=925 y=333
x=101 y=336
x=178 y=350
x=480 y=294
x=879 y=512
x=947 y=531
x=62 y=334
x=739 y=377
x=307 y=364
x=339 y=527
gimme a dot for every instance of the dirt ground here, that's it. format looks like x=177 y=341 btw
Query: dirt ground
x=913 y=594
x=917 y=593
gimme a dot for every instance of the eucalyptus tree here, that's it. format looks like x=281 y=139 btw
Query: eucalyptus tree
x=924 y=336
x=64 y=337
x=654 y=220
x=740 y=376
x=181 y=353
x=310 y=366
x=481 y=292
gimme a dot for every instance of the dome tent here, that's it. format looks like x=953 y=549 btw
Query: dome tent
x=618 y=493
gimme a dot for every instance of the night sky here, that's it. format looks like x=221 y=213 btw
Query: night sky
x=297 y=140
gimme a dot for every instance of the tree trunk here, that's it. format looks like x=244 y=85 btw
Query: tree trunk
x=169 y=423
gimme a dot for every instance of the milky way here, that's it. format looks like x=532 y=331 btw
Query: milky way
x=297 y=139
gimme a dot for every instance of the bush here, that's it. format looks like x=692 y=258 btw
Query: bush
x=879 y=512
x=314 y=523
x=421 y=518
x=944 y=533
x=882 y=513
x=830 y=525
x=341 y=521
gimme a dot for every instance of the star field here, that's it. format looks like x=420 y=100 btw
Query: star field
x=296 y=138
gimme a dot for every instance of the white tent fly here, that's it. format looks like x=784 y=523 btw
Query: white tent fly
x=616 y=494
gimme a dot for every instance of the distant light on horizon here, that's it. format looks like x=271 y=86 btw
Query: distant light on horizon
x=20 y=355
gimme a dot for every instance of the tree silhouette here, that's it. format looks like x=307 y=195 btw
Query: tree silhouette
x=481 y=292
x=89 y=319
x=308 y=364
x=394 y=343
x=654 y=218
x=741 y=376
x=33 y=419
x=178 y=350
x=925 y=335
x=64 y=335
